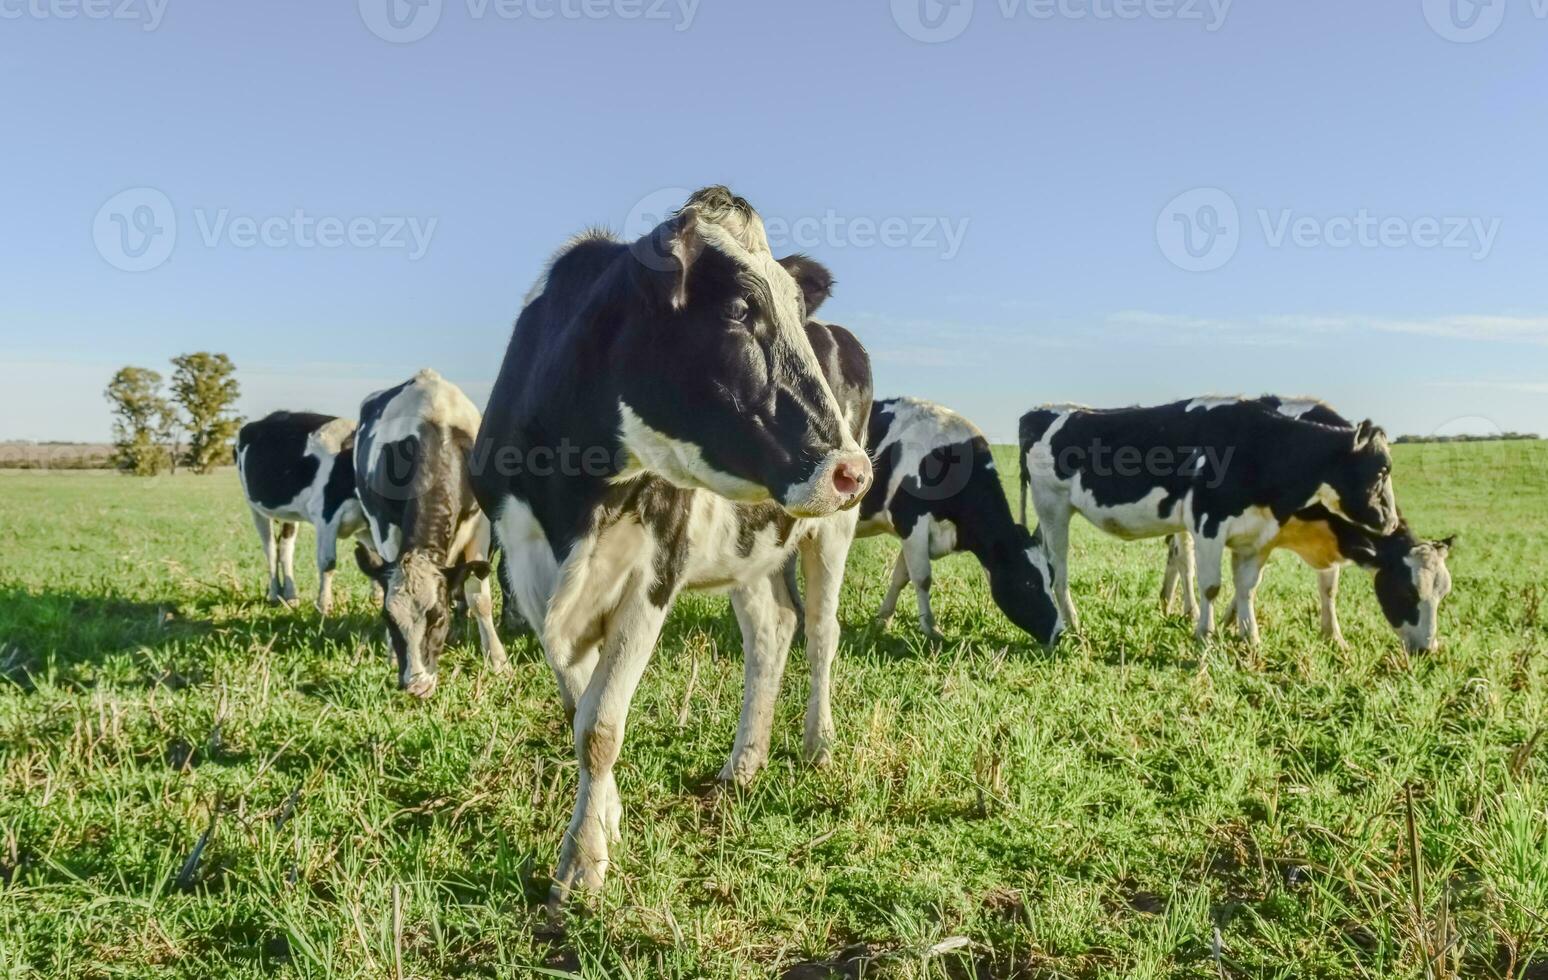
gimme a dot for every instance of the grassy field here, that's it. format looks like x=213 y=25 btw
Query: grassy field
x=193 y=783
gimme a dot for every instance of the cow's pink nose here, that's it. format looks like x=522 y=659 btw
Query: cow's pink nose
x=850 y=478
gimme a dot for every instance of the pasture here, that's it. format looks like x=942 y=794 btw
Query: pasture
x=1129 y=805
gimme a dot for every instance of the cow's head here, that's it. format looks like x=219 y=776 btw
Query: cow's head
x=1411 y=580
x=417 y=610
x=1361 y=481
x=1021 y=582
x=721 y=389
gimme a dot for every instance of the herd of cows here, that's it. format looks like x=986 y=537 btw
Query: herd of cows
x=669 y=415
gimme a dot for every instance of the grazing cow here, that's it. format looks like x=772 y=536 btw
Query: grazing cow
x=1230 y=473
x=1410 y=573
x=412 y=468
x=937 y=489
x=295 y=468
x=666 y=418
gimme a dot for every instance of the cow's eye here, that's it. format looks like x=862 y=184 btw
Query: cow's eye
x=736 y=310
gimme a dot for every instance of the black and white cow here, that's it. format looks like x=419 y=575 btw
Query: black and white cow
x=1410 y=573
x=937 y=489
x=1229 y=473
x=667 y=418
x=412 y=458
x=295 y=468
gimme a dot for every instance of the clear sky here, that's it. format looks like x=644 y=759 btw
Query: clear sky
x=1102 y=201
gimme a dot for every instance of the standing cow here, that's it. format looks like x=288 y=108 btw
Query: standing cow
x=412 y=458
x=937 y=489
x=295 y=468
x=1229 y=473
x=1410 y=573
x=668 y=418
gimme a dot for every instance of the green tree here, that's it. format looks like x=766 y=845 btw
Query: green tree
x=205 y=385
x=140 y=420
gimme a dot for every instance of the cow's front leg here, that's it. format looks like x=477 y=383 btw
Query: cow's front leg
x=600 y=719
x=1327 y=588
x=481 y=603
x=327 y=561
x=1247 y=570
x=1173 y=572
x=767 y=616
x=1210 y=553
x=823 y=558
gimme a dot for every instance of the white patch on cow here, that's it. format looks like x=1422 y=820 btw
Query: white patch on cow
x=531 y=567
x=675 y=461
x=1208 y=403
x=1296 y=408
x=1129 y=521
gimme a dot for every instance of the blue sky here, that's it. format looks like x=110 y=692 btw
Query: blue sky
x=1104 y=201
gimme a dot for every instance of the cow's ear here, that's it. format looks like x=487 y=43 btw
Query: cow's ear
x=813 y=277
x=370 y=562
x=670 y=251
x=458 y=574
x=1444 y=545
x=1367 y=433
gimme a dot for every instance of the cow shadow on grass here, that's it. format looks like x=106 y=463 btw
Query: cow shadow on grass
x=77 y=640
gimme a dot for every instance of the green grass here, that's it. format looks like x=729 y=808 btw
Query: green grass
x=1098 y=811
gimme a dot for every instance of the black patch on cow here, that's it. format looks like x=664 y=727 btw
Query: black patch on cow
x=752 y=519
x=276 y=466
x=340 y=487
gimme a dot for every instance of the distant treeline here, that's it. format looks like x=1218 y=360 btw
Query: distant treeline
x=55 y=456
x=1501 y=437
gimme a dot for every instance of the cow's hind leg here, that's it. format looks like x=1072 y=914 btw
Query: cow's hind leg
x=287 y=560
x=265 y=528
x=894 y=590
x=767 y=617
x=1179 y=575
x=823 y=558
x=1327 y=588
x=600 y=720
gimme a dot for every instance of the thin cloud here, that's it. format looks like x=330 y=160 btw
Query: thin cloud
x=1288 y=328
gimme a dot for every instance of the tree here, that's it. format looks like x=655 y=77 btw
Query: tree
x=140 y=420
x=205 y=385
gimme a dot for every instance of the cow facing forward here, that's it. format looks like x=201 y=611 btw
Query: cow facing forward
x=712 y=431
x=412 y=457
x=937 y=490
x=1227 y=472
x=296 y=468
x=1410 y=573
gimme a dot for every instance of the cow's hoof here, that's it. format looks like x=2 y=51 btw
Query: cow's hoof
x=739 y=773
x=818 y=757
x=421 y=686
